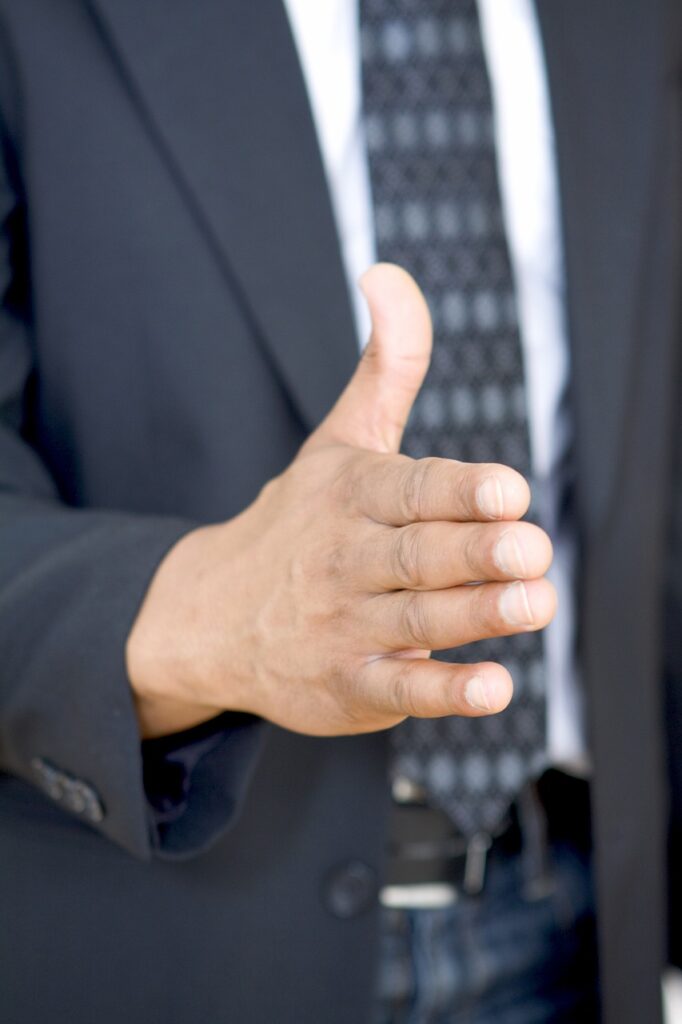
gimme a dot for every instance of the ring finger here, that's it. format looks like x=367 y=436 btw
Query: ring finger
x=441 y=619
x=432 y=556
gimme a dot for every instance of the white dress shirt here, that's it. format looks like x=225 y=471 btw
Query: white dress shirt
x=327 y=37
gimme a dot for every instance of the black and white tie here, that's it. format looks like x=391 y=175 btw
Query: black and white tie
x=433 y=173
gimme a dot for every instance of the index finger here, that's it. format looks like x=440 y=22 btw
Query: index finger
x=397 y=490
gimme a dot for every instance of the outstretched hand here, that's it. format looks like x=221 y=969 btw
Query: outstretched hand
x=318 y=606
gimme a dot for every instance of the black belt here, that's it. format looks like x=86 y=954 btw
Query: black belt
x=430 y=863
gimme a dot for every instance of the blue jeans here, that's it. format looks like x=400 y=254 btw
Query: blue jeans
x=502 y=957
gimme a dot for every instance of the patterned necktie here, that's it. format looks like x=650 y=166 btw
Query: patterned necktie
x=433 y=174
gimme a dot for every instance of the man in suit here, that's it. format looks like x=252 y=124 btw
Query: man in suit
x=175 y=326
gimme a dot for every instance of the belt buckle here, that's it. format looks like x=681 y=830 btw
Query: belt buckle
x=422 y=896
x=476 y=863
x=438 y=895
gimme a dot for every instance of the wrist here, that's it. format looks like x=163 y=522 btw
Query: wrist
x=164 y=652
x=162 y=716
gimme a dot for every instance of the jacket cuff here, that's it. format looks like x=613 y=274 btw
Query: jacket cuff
x=69 y=724
x=195 y=782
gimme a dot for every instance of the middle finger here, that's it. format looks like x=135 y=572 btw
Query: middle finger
x=432 y=556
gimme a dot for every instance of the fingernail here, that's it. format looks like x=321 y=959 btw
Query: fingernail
x=515 y=607
x=478 y=695
x=490 y=498
x=508 y=555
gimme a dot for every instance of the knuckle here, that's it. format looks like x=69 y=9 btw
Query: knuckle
x=414 y=621
x=471 y=476
x=353 y=688
x=472 y=553
x=417 y=486
x=353 y=479
x=407 y=560
x=405 y=692
x=351 y=699
x=445 y=698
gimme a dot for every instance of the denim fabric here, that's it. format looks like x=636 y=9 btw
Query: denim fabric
x=508 y=956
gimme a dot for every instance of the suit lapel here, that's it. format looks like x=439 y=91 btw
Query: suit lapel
x=219 y=85
x=603 y=110
x=220 y=88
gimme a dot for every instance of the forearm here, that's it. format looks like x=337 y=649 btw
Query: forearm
x=70 y=586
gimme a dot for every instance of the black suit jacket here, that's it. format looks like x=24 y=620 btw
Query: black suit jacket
x=174 y=321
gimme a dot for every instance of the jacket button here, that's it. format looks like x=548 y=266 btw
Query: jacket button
x=82 y=799
x=51 y=780
x=349 y=889
x=73 y=794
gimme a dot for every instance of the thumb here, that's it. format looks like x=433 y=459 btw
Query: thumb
x=372 y=411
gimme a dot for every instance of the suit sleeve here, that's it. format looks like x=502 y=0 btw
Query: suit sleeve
x=71 y=582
